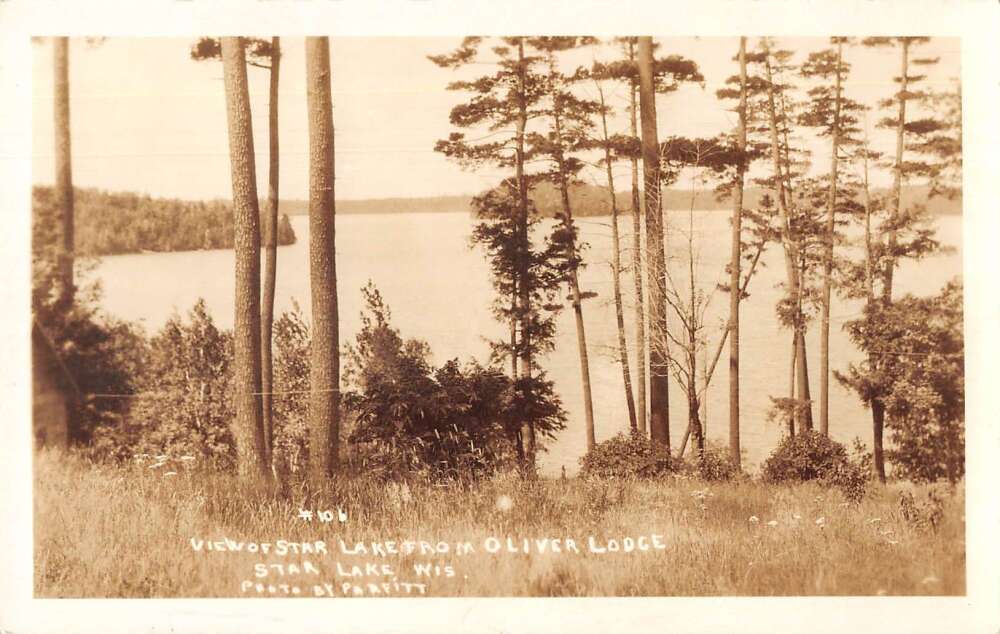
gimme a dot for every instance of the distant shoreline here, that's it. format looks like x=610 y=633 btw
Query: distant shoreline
x=589 y=201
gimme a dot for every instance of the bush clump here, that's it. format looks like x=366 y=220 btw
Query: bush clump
x=809 y=455
x=625 y=456
x=714 y=465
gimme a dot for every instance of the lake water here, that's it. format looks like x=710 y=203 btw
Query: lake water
x=439 y=290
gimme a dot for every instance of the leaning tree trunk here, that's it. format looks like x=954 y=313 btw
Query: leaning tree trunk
x=831 y=208
x=270 y=256
x=640 y=311
x=659 y=406
x=790 y=249
x=324 y=402
x=736 y=253
x=64 y=170
x=616 y=271
x=574 y=283
x=248 y=430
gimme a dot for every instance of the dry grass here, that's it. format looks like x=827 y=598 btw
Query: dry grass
x=109 y=532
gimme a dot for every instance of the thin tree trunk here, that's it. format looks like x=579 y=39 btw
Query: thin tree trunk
x=878 y=425
x=616 y=268
x=659 y=407
x=324 y=404
x=790 y=250
x=524 y=290
x=710 y=370
x=736 y=253
x=791 y=385
x=270 y=255
x=574 y=281
x=897 y=175
x=248 y=430
x=877 y=406
x=831 y=208
x=640 y=310
x=64 y=170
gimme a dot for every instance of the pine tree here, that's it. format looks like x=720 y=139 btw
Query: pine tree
x=248 y=431
x=64 y=169
x=508 y=97
x=324 y=404
x=659 y=359
x=836 y=118
x=262 y=54
x=791 y=231
x=613 y=148
x=735 y=258
x=669 y=73
x=904 y=232
x=570 y=131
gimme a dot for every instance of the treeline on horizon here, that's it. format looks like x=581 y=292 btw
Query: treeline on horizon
x=116 y=223
x=592 y=200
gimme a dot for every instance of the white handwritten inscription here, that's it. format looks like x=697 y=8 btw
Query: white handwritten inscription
x=323 y=515
x=342 y=568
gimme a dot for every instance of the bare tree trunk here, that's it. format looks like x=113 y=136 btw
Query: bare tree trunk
x=270 y=255
x=524 y=290
x=831 y=208
x=736 y=253
x=640 y=310
x=616 y=269
x=248 y=430
x=64 y=170
x=324 y=404
x=659 y=407
x=790 y=250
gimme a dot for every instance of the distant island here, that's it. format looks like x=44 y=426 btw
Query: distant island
x=116 y=223
x=592 y=200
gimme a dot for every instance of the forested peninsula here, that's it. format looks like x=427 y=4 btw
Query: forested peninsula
x=115 y=223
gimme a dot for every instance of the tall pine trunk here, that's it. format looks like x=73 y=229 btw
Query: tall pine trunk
x=897 y=174
x=831 y=210
x=523 y=286
x=736 y=253
x=790 y=250
x=248 y=430
x=270 y=255
x=616 y=271
x=324 y=402
x=659 y=405
x=64 y=170
x=640 y=310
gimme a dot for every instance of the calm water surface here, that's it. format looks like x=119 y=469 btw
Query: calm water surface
x=438 y=289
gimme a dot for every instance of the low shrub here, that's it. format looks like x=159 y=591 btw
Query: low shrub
x=714 y=465
x=626 y=456
x=810 y=455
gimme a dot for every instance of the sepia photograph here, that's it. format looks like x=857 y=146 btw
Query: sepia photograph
x=406 y=316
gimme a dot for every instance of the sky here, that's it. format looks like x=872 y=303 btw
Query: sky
x=147 y=118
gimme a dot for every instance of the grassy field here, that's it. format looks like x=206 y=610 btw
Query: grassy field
x=113 y=532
